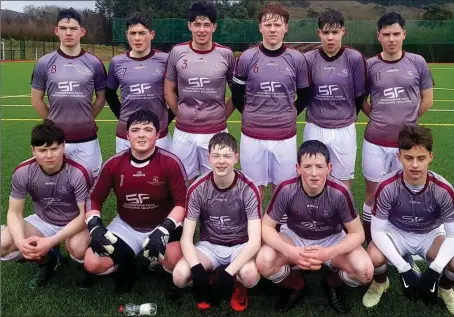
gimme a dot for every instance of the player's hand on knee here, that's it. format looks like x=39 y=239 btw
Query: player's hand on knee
x=155 y=244
x=409 y=281
x=201 y=283
x=222 y=287
x=427 y=287
x=102 y=240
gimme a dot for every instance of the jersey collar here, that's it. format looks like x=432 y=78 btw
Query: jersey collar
x=152 y=51
x=141 y=163
x=274 y=53
x=235 y=179
x=409 y=190
x=391 y=62
x=213 y=46
x=331 y=58
x=61 y=53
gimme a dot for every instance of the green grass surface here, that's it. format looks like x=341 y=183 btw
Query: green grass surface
x=62 y=298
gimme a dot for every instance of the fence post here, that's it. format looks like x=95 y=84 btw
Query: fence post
x=44 y=48
x=11 y=48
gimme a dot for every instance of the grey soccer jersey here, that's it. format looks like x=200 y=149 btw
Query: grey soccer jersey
x=201 y=78
x=271 y=82
x=414 y=212
x=395 y=97
x=141 y=82
x=336 y=82
x=55 y=197
x=69 y=82
x=317 y=217
x=223 y=213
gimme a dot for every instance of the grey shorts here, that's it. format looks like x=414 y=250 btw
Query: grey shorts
x=219 y=255
x=47 y=229
x=325 y=242
x=409 y=243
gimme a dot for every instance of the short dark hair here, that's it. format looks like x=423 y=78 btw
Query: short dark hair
x=223 y=140
x=276 y=10
x=312 y=148
x=333 y=19
x=414 y=135
x=143 y=116
x=47 y=133
x=69 y=14
x=203 y=9
x=137 y=18
x=389 y=19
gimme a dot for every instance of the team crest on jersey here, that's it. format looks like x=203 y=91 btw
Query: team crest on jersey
x=35 y=187
x=216 y=66
x=410 y=75
x=344 y=73
x=155 y=181
x=158 y=72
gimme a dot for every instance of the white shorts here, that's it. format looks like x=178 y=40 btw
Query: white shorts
x=410 y=243
x=219 y=255
x=192 y=150
x=379 y=161
x=47 y=229
x=87 y=154
x=325 y=242
x=341 y=143
x=125 y=232
x=123 y=144
x=268 y=161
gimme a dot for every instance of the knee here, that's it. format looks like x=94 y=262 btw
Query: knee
x=377 y=258
x=364 y=271
x=96 y=264
x=249 y=275
x=265 y=259
x=172 y=256
x=6 y=243
x=181 y=274
x=77 y=247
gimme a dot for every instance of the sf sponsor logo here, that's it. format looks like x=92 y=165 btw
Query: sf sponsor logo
x=220 y=220
x=198 y=82
x=413 y=219
x=67 y=86
x=392 y=93
x=327 y=90
x=137 y=198
x=139 y=89
x=270 y=86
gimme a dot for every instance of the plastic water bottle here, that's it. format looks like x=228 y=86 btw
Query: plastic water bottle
x=148 y=309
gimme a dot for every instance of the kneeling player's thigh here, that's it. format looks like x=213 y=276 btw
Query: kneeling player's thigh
x=376 y=161
x=78 y=244
x=173 y=255
x=432 y=242
x=254 y=159
x=181 y=273
x=343 y=151
x=122 y=144
x=282 y=159
x=208 y=255
x=184 y=147
x=97 y=264
x=7 y=242
x=35 y=226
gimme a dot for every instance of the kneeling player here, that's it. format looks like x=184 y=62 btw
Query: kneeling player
x=411 y=206
x=150 y=185
x=58 y=187
x=317 y=207
x=228 y=204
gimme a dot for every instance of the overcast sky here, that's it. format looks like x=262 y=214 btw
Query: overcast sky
x=19 y=5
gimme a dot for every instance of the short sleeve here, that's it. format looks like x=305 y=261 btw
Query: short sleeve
x=193 y=204
x=100 y=75
x=425 y=77
x=279 y=203
x=82 y=182
x=382 y=203
x=252 y=202
x=39 y=75
x=241 y=69
x=230 y=65
x=19 y=183
x=359 y=70
x=112 y=80
x=302 y=72
x=171 y=71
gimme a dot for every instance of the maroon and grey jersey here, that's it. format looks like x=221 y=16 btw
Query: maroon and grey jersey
x=395 y=95
x=141 y=82
x=55 y=196
x=223 y=213
x=336 y=82
x=316 y=217
x=271 y=82
x=419 y=212
x=146 y=192
x=69 y=82
x=201 y=78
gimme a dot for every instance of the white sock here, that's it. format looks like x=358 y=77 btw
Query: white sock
x=281 y=275
x=347 y=280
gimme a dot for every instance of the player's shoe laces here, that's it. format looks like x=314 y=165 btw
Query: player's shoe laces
x=239 y=300
x=374 y=293
x=335 y=297
x=448 y=297
x=45 y=271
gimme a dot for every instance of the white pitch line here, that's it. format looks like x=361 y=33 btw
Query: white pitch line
x=16 y=96
x=444 y=89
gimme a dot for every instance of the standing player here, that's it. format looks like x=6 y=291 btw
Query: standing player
x=140 y=75
x=194 y=89
x=58 y=187
x=228 y=205
x=267 y=79
x=69 y=76
x=150 y=185
x=318 y=207
x=338 y=77
x=401 y=90
x=410 y=208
